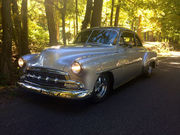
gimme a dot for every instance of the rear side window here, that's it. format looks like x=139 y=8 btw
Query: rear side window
x=138 y=41
x=128 y=38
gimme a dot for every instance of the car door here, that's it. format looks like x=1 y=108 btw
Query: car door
x=140 y=51
x=128 y=57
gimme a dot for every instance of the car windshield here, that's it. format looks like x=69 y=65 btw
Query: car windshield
x=97 y=37
x=82 y=37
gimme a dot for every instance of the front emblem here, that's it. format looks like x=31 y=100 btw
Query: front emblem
x=39 y=77
x=47 y=78
x=56 y=80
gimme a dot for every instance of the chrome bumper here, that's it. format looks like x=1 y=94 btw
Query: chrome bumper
x=63 y=93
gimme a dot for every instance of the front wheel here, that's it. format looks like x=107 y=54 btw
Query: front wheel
x=101 y=88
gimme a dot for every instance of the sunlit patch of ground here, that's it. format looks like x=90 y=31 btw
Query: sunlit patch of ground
x=171 y=62
x=170 y=54
x=175 y=53
x=165 y=54
x=163 y=49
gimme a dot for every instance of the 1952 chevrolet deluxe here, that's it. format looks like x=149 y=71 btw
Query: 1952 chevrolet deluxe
x=100 y=59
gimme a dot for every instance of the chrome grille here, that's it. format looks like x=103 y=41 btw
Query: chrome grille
x=46 y=77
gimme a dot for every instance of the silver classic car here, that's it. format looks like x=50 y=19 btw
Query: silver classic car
x=99 y=60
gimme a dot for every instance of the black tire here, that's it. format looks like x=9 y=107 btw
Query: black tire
x=101 y=89
x=148 y=70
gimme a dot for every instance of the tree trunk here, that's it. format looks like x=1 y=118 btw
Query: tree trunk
x=117 y=13
x=160 y=37
x=112 y=12
x=132 y=25
x=97 y=13
x=17 y=27
x=57 y=29
x=145 y=39
x=64 y=22
x=77 y=25
x=148 y=36
x=87 y=17
x=51 y=23
x=139 y=30
x=6 y=57
x=74 y=24
x=24 y=31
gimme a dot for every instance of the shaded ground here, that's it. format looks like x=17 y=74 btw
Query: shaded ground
x=141 y=107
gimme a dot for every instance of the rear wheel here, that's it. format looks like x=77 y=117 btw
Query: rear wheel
x=101 y=88
x=148 y=70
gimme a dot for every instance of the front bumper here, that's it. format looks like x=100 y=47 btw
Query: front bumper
x=51 y=91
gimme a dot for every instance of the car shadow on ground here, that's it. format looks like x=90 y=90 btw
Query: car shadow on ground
x=54 y=103
x=72 y=106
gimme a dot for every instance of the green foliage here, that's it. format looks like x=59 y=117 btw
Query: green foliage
x=38 y=32
x=168 y=16
x=38 y=37
x=158 y=16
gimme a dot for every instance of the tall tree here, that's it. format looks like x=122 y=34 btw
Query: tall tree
x=64 y=21
x=117 y=13
x=6 y=56
x=17 y=27
x=57 y=20
x=51 y=22
x=77 y=25
x=97 y=13
x=112 y=12
x=87 y=17
x=0 y=10
x=139 y=29
x=24 y=31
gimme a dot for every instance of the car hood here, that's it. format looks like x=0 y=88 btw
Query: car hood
x=60 y=56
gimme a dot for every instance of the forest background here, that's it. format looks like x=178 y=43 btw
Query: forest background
x=28 y=26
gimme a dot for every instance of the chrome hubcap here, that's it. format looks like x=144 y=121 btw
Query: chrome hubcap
x=149 y=69
x=101 y=87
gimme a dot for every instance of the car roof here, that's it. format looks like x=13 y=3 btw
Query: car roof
x=115 y=28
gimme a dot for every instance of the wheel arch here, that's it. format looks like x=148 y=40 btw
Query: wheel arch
x=153 y=64
x=111 y=76
x=149 y=57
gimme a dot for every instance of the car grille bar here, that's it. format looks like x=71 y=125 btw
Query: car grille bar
x=46 y=77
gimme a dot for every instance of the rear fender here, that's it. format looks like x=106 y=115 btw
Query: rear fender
x=149 y=57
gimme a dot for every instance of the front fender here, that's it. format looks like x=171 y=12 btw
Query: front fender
x=29 y=57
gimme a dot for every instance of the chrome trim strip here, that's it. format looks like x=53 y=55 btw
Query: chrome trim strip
x=55 y=80
x=121 y=65
x=49 y=70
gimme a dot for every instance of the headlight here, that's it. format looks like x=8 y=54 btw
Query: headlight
x=76 y=67
x=21 y=62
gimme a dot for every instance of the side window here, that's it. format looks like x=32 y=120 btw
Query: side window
x=138 y=41
x=127 y=38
